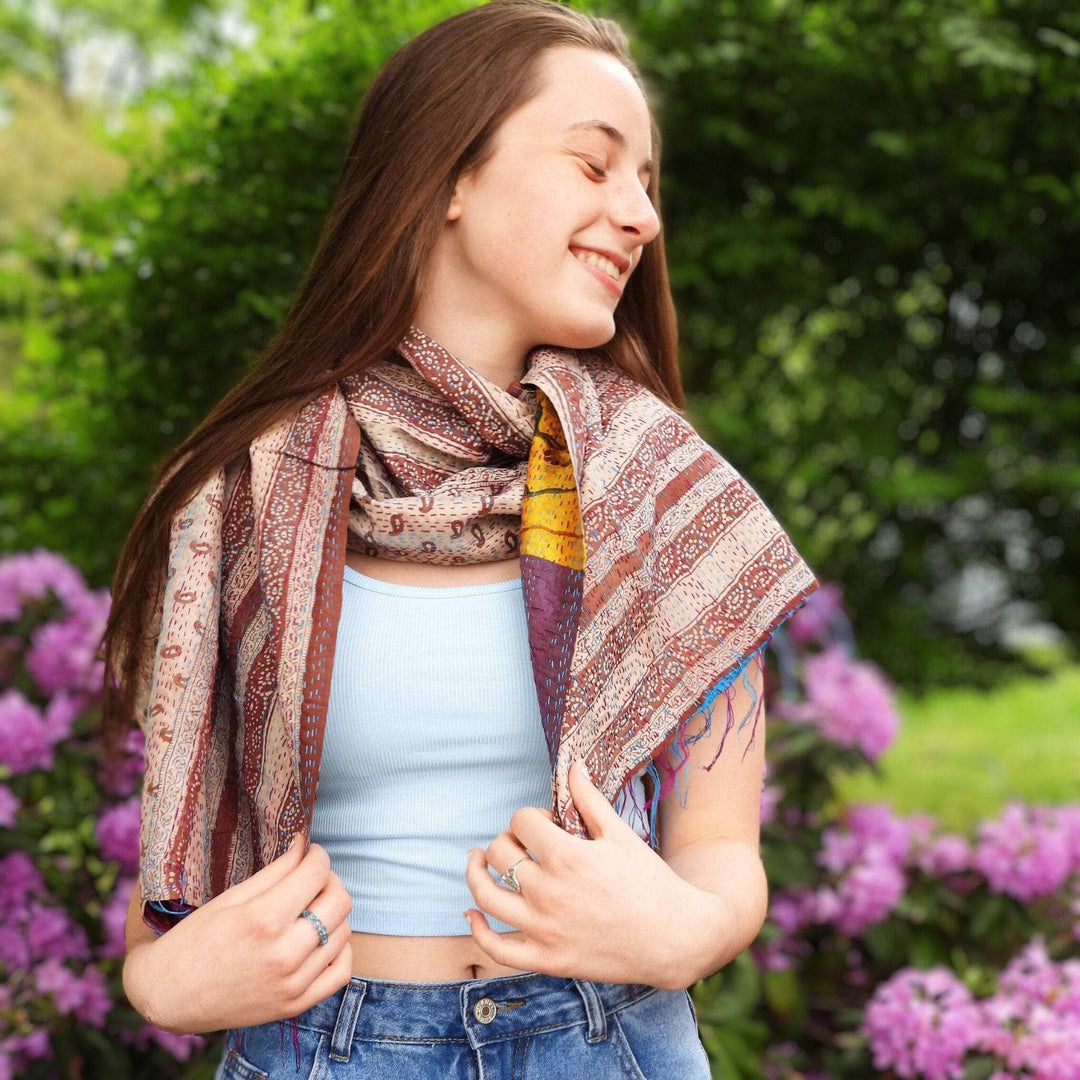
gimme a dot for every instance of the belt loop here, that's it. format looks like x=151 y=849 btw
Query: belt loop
x=594 y=1010
x=345 y=1025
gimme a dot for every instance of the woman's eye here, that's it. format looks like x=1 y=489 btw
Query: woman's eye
x=598 y=171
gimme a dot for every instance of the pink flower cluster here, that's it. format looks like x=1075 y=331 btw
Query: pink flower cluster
x=29 y=735
x=45 y=955
x=849 y=700
x=924 y=1024
x=29 y=576
x=921 y=1024
x=62 y=653
x=38 y=941
x=118 y=834
x=1029 y=852
x=822 y=612
x=60 y=658
x=867 y=860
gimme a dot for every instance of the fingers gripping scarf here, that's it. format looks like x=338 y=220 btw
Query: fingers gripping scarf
x=652 y=576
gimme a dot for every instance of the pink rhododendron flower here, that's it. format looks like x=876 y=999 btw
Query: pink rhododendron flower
x=867 y=829
x=114 y=919
x=9 y=804
x=868 y=893
x=948 y=853
x=117 y=831
x=848 y=699
x=1025 y=853
x=786 y=911
x=17 y=1050
x=868 y=855
x=121 y=777
x=24 y=740
x=924 y=1023
x=30 y=575
x=921 y=1024
x=19 y=880
x=61 y=655
x=781 y=953
x=1032 y=1022
x=50 y=932
x=180 y=1046
x=1068 y=820
x=1032 y=975
x=31 y=930
x=822 y=608
x=84 y=996
x=771 y=796
x=823 y=905
x=28 y=736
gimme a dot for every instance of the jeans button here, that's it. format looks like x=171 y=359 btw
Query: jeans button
x=484 y=1010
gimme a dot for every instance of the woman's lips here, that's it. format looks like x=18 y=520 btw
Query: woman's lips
x=605 y=279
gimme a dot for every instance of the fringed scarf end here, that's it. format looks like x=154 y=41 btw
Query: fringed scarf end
x=669 y=767
x=164 y=916
x=294 y=1027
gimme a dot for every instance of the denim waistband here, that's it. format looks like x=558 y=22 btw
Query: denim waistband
x=475 y=1011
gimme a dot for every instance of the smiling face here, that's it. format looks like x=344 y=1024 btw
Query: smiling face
x=568 y=175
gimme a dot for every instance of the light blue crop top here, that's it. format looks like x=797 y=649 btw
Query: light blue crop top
x=433 y=739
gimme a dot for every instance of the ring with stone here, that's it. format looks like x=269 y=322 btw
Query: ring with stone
x=509 y=877
x=315 y=921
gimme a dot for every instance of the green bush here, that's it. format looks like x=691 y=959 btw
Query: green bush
x=869 y=215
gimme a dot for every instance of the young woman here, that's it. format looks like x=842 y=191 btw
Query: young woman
x=450 y=541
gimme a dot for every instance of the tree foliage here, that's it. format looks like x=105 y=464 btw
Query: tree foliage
x=869 y=214
x=872 y=212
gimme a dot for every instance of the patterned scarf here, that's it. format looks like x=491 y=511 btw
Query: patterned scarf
x=652 y=575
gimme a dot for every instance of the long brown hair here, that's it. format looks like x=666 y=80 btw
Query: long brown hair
x=428 y=118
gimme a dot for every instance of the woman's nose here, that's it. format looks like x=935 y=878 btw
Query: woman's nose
x=636 y=212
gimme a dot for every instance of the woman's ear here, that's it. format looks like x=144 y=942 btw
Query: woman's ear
x=453 y=210
x=464 y=183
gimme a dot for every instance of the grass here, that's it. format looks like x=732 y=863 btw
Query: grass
x=963 y=754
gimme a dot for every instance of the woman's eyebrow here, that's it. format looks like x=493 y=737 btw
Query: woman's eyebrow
x=612 y=133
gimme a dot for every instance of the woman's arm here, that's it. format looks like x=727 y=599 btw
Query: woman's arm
x=713 y=842
x=137 y=937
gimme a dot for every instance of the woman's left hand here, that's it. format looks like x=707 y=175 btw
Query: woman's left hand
x=608 y=909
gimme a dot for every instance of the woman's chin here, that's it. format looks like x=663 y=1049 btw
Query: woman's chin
x=589 y=332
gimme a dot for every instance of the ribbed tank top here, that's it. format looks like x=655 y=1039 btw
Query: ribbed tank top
x=433 y=739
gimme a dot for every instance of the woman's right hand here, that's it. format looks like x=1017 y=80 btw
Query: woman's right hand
x=246 y=956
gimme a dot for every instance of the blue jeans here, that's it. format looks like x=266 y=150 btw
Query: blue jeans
x=510 y=1027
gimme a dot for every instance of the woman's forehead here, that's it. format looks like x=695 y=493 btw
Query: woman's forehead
x=586 y=92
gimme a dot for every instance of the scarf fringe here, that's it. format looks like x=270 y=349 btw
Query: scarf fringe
x=294 y=1029
x=170 y=915
x=669 y=766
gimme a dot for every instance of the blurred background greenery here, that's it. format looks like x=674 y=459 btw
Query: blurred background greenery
x=871 y=220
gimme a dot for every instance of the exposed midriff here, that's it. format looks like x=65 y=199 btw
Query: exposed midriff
x=427 y=959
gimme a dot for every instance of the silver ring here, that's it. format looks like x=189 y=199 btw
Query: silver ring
x=315 y=921
x=509 y=877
